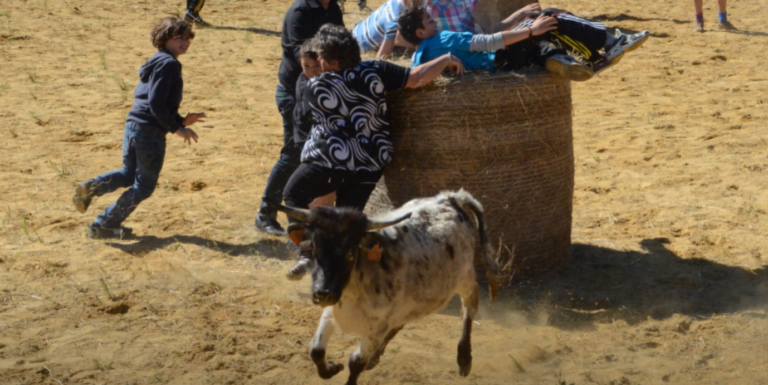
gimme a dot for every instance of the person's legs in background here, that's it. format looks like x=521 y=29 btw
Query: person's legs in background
x=192 y=14
x=290 y=157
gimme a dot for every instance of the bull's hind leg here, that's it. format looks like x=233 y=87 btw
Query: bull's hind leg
x=325 y=369
x=469 y=303
x=360 y=358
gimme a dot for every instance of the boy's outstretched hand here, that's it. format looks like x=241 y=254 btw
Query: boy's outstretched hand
x=192 y=118
x=543 y=24
x=188 y=134
x=455 y=66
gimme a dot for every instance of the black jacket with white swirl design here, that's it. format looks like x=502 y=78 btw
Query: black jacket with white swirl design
x=350 y=120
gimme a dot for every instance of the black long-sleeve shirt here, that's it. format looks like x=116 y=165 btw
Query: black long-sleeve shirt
x=302 y=21
x=302 y=114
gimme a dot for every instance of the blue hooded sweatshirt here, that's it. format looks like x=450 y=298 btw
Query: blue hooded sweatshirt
x=158 y=95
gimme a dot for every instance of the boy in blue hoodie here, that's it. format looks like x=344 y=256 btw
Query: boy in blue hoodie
x=155 y=114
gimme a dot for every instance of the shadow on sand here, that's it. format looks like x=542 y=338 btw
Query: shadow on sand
x=141 y=245
x=259 y=31
x=601 y=285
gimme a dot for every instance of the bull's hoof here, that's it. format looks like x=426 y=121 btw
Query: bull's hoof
x=464 y=358
x=465 y=369
x=333 y=369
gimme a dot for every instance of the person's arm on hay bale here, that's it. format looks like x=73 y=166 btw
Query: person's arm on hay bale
x=425 y=73
x=386 y=48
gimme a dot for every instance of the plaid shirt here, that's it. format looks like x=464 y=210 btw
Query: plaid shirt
x=452 y=15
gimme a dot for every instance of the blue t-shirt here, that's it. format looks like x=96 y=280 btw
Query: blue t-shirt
x=457 y=43
x=379 y=26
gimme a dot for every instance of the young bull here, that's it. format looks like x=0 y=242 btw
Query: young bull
x=374 y=276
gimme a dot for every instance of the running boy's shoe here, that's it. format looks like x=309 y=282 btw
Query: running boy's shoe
x=699 y=27
x=84 y=193
x=364 y=7
x=568 y=68
x=96 y=231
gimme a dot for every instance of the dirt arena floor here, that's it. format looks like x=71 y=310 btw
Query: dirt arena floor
x=668 y=281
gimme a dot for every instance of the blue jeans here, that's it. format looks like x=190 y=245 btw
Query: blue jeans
x=290 y=154
x=143 y=157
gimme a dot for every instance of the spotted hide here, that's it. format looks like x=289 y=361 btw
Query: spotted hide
x=427 y=252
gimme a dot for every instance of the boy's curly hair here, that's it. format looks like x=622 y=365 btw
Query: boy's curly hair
x=409 y=21
x=169 y=28
x=334 y=42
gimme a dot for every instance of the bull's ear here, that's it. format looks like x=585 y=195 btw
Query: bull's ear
x=296 y=233
x=371 y=245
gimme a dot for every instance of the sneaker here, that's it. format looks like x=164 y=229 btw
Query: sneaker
x=301 y=268
x=268 y=225
x=699 y=27
x=727 y=26
x=291 y=247
x=96 y=231
x=568 y=68
x=191 y=17
x=630 y=42
x=364 y=7
x=84 y=193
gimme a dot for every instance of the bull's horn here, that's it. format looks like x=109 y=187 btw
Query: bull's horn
x=376 y=225
x=301 y=215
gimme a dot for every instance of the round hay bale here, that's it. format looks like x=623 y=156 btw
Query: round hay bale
x=506 y=138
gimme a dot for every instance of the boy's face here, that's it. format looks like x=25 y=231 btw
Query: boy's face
x=430 y=27
x=311 y=67
x=178 y=45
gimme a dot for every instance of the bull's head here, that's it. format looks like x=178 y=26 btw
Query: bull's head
x=335 y=235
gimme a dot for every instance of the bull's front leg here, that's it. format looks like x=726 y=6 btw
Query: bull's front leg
x=469 y=304
x=325 y=369
x=360 y=358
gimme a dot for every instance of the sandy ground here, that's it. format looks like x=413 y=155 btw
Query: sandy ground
x=667 y=283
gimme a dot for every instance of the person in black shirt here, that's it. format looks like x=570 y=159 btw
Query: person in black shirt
x=303 y=19
x=349 y=143
x=154 y=115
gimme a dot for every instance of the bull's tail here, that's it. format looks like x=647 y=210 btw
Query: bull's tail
x=492 y=272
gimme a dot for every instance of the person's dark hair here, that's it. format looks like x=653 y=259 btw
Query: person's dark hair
x=408 y=22
x=169 y=28
x=308 y=49
x=334 y=42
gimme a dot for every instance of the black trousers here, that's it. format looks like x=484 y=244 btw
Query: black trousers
x=195 y=6
x=310 y=181
x=574 y=33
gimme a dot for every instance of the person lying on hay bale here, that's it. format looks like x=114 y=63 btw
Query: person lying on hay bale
x=349 y=143
x=534 y=41
x=155 y=114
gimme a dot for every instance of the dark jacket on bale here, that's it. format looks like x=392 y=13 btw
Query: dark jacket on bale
x=158 y=95
x=302 y=21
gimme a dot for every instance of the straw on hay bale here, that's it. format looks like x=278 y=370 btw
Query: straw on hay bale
x=506 y=138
